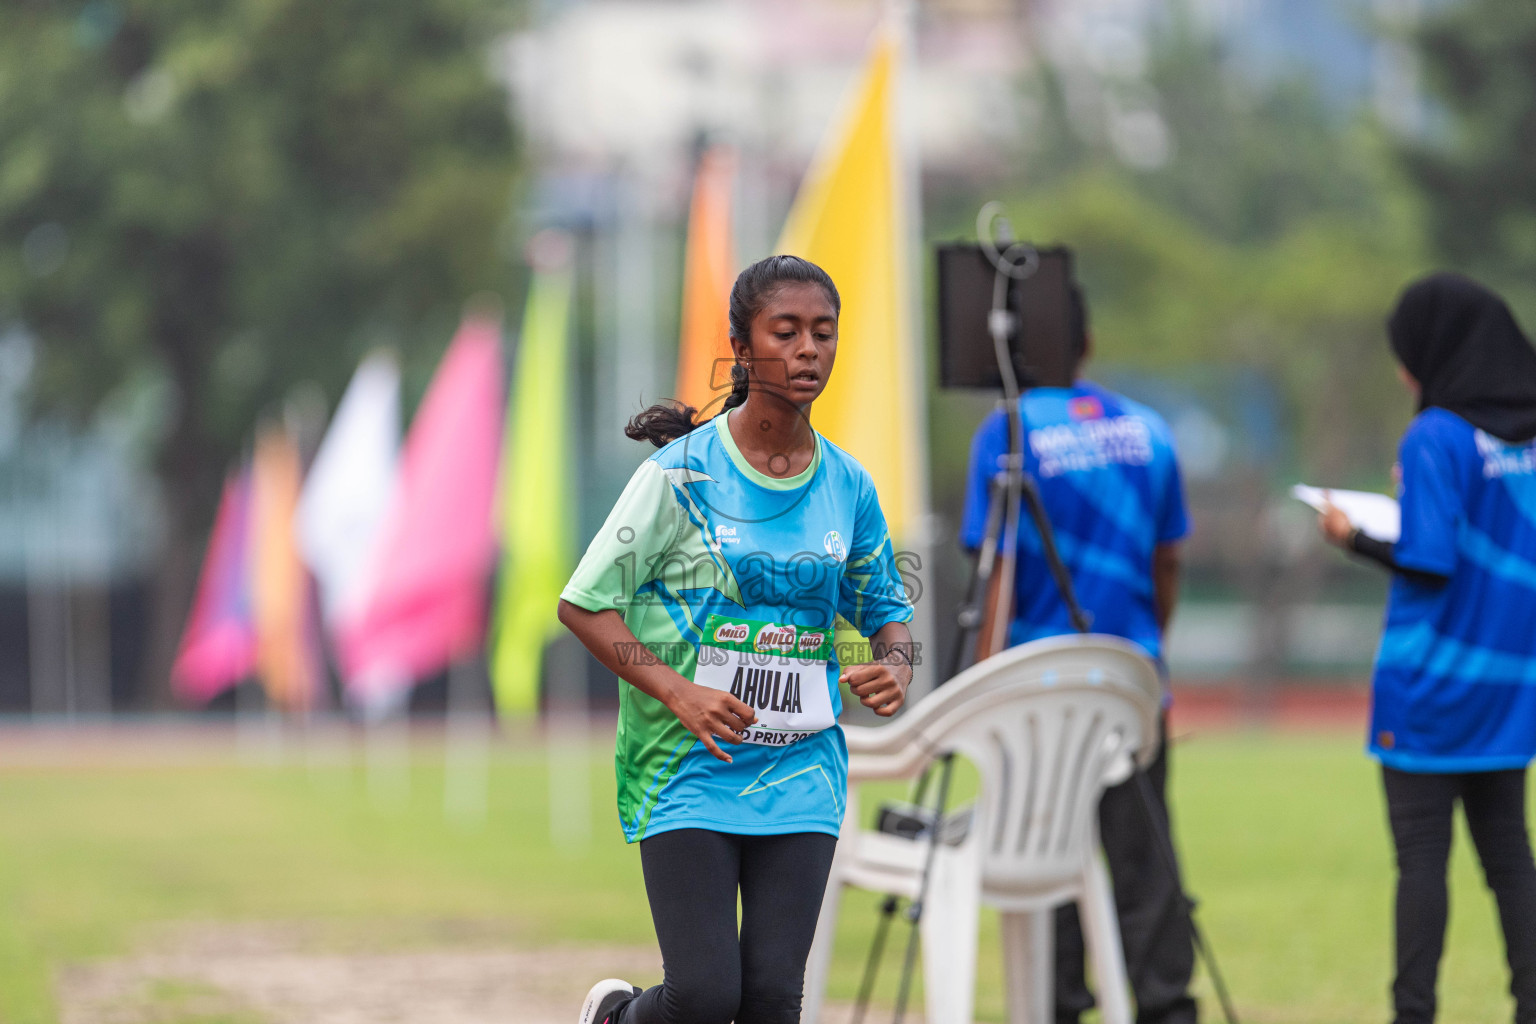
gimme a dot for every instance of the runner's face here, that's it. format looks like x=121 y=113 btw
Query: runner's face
x=794 y=342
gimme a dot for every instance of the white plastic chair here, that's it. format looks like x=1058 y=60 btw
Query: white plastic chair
x=1047 y=725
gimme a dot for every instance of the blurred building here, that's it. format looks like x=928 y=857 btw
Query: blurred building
x=77 y=533
x=638 y=81
x=1353 y=52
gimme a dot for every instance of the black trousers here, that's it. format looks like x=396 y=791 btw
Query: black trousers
x=713 y=973
x=1420 y=808
x=1154 y=920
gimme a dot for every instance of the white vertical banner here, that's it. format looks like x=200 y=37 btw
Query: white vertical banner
x=349 y=488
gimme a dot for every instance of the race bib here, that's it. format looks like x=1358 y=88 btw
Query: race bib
x=778 y=671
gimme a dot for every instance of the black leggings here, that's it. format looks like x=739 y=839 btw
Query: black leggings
x=1420 y=807
x=713 y=976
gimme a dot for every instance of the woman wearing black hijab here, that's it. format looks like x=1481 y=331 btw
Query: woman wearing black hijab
x=1453 y=694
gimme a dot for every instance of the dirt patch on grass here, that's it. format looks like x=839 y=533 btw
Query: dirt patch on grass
x=275 y=975
x=286 y=974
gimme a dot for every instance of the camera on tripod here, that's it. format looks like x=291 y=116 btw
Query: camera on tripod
x=1011 y=317
x=1044 y=315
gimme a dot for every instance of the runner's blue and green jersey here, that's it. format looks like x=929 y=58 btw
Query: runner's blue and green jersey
x=702 y=551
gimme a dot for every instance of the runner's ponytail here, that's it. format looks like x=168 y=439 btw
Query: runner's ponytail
x=666 y=421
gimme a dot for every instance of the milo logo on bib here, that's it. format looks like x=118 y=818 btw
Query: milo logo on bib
x=780 y=671
x=812 y=640
x=732 y=632
x=774 y=638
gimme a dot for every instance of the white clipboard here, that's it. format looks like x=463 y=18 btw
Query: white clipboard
x=1374 y=515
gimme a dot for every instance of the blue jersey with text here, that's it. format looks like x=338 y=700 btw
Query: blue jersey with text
x=1110 y=485
x=704 y=555
x=1454 y=688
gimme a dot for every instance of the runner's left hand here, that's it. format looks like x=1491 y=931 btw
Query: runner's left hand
x=880 y=685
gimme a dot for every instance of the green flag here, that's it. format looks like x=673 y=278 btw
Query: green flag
x=536 y=510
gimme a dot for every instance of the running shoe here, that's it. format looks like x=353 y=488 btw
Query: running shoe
x=604 y=1000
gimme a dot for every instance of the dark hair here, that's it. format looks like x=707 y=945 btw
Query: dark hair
x=666 y=421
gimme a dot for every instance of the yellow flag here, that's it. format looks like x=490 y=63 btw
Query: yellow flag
x=848 y=218
x=536 y=510
x=704 y=354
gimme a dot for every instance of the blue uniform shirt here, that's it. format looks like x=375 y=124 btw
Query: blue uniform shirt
x=705 y=556
x=1110 y=484
x=1454 y=688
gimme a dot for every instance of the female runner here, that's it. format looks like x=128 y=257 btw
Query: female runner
x=712 y=590
x=1454 y=690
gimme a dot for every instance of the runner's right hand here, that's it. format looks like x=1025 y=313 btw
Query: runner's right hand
x=712 y=714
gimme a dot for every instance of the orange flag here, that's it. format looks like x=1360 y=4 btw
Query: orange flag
x=704 y=355
x=287 y=658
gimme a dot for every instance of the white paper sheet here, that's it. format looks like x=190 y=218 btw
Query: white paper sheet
x=1374 y=515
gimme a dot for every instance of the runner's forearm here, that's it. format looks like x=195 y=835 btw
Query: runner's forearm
x=605 y=635
x=892 y=643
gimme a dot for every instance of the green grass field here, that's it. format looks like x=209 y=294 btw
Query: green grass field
x=1284 y=841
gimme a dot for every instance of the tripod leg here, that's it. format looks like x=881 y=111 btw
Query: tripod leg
x=1164 y=844
x=972 y=615
x=872 y=965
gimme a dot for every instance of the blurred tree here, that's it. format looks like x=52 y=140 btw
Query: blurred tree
x=1242 y=241
x=1248 y=156
x=1169 y=296
x=1243 y=156
x=232 y=196
x=1477 y=163
x=1226 y=219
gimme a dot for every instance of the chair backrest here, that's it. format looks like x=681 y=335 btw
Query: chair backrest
x=1046 y=724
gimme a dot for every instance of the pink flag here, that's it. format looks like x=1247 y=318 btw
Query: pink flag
x=218 y=647
x=427 y=602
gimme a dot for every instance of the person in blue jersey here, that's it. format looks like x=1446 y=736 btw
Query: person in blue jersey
x=713 y=590
x=1110 y=484
x=1453 y=695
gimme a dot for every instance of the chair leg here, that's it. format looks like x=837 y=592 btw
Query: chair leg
x=1101 y=932
x=1029 y=950
x=951 y=916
